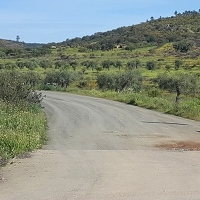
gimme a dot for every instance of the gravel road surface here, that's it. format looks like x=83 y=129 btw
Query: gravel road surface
x=103 y=150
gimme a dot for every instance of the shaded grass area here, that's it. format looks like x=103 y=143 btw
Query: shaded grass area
x=188 y=107
x=21 y=130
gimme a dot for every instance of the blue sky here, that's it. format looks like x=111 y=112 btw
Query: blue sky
x=44 y=21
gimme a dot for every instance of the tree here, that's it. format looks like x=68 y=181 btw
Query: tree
x=175 y=13
x=86 y=63
x=45 y=64
x=73 y=64
x=61 y=78
x=137 y=63
x=181 y=83
x=106 y=64
x=60 y=64
x=152 y=18
x=177 y=64
x=129 y=81
x=2 y=66
x=92 y=64
x=118 y=64
x=106 y=81
x=130 y=65
x=17 y=38
x=126 y=81
x=98 y=68
x=107 y=46
x=131 y=47
x=183 y=46
x=150 y=65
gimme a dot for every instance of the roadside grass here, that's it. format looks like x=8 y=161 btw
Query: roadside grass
x=189 y=107
x=21 y=130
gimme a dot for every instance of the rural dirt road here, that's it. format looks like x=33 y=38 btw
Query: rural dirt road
x=105 y=150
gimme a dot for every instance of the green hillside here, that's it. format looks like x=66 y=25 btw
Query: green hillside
x=182 y=26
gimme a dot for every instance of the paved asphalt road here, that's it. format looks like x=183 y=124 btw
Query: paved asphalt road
x=104 y=150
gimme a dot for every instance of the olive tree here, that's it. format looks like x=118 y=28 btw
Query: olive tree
x=126 y=81
x=181 y=83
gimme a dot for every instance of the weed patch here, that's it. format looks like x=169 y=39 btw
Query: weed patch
x=21 y=130
x=188 y=107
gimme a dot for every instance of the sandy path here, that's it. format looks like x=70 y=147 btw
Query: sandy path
x=100 y=149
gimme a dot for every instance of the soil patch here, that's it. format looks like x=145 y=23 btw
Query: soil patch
x=180 y=145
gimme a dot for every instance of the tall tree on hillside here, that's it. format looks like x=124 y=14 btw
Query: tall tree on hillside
x=150 y=65
x=130 y=65
x=118 y=64
x=177 y=64
x=17 y=38
x=152 y=18
x=137 y=63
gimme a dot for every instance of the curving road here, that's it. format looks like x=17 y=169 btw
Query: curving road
x=104 y=150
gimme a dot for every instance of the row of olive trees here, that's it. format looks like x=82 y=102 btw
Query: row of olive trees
x=19 y=88
x=29 y=64
x=86 y=64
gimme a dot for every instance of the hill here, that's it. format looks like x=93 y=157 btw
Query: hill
x=181 y=27
x=10 y=44
x=14 y=49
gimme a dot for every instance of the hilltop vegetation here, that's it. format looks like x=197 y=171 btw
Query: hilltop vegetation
x=182 y=26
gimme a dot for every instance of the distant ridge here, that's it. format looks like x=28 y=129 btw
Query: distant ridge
x=11 y=44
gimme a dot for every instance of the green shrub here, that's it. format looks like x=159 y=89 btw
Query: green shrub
x=17 y=88
x=106 y=81
x=150 y=65
x=22 y=130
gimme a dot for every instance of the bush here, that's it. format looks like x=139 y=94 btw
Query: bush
x=129 y=81
x=183 y=46
x=17 y=88
x=150 y=65
x=106 y=81
x=45 y=64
